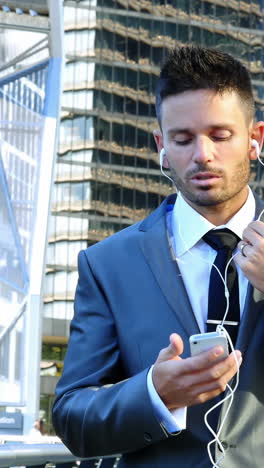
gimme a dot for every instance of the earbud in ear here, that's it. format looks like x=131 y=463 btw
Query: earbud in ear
x=256 y=146
x=162 y=155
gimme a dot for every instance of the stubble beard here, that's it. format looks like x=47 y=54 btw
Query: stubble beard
x=205 y=196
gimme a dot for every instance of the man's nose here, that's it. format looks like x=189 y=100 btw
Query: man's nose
x=203 y=150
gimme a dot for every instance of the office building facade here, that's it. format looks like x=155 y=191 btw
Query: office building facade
x=107 y=170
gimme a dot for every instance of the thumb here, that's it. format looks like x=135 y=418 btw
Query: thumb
x=173 y=351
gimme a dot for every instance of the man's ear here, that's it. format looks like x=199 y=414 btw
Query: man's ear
x=257 y=134
x=158 y=139
x=159 y=142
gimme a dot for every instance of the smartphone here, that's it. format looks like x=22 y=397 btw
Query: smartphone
x=204 y=341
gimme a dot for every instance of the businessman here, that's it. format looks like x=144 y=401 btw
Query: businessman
x=129 y=384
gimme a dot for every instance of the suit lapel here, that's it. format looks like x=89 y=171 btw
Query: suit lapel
x=155 y=247
x=250 y=318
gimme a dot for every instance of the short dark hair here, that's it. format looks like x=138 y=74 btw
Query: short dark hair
x=190 y=68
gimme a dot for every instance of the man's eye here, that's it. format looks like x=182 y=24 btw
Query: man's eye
x=221 y=137
x=183 y=142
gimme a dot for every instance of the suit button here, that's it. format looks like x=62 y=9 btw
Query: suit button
x=147 y=437
x=224 y=444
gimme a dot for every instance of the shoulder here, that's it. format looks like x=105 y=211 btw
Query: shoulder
x=127 y=238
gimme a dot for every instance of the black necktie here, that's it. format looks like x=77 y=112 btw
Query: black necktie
x=224 y=242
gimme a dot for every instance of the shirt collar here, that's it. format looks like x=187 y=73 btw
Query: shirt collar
x=188 y=226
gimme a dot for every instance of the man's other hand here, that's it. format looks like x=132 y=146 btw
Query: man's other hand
x=251 y=258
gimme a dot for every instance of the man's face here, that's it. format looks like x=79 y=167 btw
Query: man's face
x=207 y=145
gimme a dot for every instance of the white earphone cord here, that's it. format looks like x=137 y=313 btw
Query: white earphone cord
x=230 y=395
x=162 y=155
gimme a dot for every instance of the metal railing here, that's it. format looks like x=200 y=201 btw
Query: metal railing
x=28 y=454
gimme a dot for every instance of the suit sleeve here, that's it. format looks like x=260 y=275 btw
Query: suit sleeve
x=98 y=409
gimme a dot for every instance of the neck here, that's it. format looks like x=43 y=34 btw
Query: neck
x=221 y=213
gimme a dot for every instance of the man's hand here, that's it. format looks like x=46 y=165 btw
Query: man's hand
x=187 y=382
x=251 y=259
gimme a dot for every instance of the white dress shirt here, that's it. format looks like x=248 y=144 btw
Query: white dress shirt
x=195 y=258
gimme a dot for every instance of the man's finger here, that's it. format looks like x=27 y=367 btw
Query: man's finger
x=255 y=226
x=222 y=370
x=209 y=390
x=205 y=359
x=241 y=258
x=173 y=351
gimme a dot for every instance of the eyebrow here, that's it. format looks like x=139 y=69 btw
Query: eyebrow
x=174 y=131
x=220 y=126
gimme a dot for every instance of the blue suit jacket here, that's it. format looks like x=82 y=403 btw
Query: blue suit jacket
x=129 y=299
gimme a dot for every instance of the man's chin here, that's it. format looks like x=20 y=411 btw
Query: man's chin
x=204 y=198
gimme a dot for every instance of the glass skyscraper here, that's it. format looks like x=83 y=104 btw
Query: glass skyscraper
x=30 y=61
x=107 y=171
